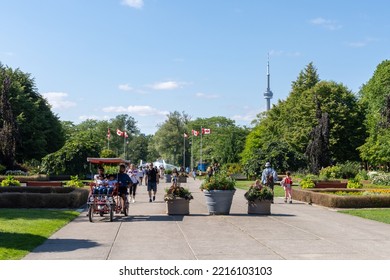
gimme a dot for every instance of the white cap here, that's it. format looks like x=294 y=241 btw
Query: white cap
x=267 y=164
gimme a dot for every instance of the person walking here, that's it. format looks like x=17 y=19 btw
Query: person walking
x=269 y=176
x=286 y=183
x=133 y=174
x=153 y=180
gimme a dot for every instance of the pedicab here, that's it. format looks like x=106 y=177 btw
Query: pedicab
x=101 y=203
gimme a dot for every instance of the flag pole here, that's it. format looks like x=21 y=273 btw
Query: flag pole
x=192 y=145
x=184 y=151
x=201 y=132
x=108 y=139
x=124 y=143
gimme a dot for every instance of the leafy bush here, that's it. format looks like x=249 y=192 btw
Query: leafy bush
x=168 y=171
x=362 y=175
x=381 y=179
x=330 y=172
x=354 y=184
x=219 y=181
x=233 y=168
x=254 y=193
x=307 y=182
x=349 y=169
x=10 y=181
x=75 y=182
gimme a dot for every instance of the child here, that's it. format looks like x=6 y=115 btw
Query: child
x=257 y=185
x=111 y=182
x=287 y=185
x=99 y=185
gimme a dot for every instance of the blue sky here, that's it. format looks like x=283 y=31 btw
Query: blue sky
x=100 y=58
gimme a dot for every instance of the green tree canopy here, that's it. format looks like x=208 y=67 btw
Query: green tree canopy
x=39 y=130
x=291 y=121
x=375 y=99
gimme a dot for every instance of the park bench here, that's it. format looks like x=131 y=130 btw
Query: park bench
x=43 y=184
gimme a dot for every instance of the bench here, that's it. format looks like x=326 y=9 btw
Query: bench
x=43 y=184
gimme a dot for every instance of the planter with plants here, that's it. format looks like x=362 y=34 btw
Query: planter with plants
x=168 y=176
x=182 y=178
x=259 y=200
x=219 y=190
x=10 y=181
x=177 y=200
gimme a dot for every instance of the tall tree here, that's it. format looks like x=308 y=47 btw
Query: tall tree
x=168 y=140
x=8 y=129
x=375 y=99
x=40 y=131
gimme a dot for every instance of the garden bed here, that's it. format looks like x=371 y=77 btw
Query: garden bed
x=42 y=197
x=327 y=198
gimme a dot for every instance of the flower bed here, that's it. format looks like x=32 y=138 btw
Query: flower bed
x=368 y=198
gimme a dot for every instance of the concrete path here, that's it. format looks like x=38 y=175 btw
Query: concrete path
x=293 y=231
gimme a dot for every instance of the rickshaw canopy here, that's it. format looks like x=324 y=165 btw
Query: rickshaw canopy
x=106 y=160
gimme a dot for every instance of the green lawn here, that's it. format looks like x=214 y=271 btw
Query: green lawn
x=21 y=230
x=379 y=215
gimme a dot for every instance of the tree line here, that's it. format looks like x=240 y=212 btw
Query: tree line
x=320 y=123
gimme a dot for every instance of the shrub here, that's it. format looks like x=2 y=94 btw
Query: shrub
x=10 y=181
x=177 y=191
x=330 y=172
x=381 y=179
x=362 y=175
x=349 y=169
x=219 y=181
x=254 y=193
x=75 y=182
x=233 y=168
x=354 y=184
x=307 y=182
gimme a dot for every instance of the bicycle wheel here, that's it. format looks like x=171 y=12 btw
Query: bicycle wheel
x=111 y=212
x=91 y=211
x=126 y=208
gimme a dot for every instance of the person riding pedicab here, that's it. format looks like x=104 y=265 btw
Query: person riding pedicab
x=124 y=182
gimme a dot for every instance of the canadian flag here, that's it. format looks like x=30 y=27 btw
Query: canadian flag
x=121 y=133
x=195 y=133
x=206 y=130
x=108 y=134
x=185 y=135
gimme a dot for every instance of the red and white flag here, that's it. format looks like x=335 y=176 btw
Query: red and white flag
x=108 y=134
x=206 y=131
x=185 y=135
x=121 y=133
x=195 y=133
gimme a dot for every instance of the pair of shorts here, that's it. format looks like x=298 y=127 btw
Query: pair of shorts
x=152 y=186
x=122 y=190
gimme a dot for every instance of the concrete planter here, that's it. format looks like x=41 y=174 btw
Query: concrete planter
x=168 y=178
x=259 y=207
x=219 y=201
x=182 y=179
x=178 y=206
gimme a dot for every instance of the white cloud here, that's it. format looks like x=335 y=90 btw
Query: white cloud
x=362 y=43
x=137 y=110
x=125 y=87
x=165 y=85
x=137 y=4
x=57 y=100
x=248 y=117
x=206 y=96
x=326 y=23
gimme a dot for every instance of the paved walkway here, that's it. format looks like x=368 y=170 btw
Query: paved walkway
x=293 y=231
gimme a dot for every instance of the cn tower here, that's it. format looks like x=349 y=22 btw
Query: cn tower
x=268 y=93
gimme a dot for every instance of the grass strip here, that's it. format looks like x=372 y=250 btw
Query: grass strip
x=379 y=215
x=22 y=230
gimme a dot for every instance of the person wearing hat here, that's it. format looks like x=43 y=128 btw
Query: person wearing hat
x=269 y=176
